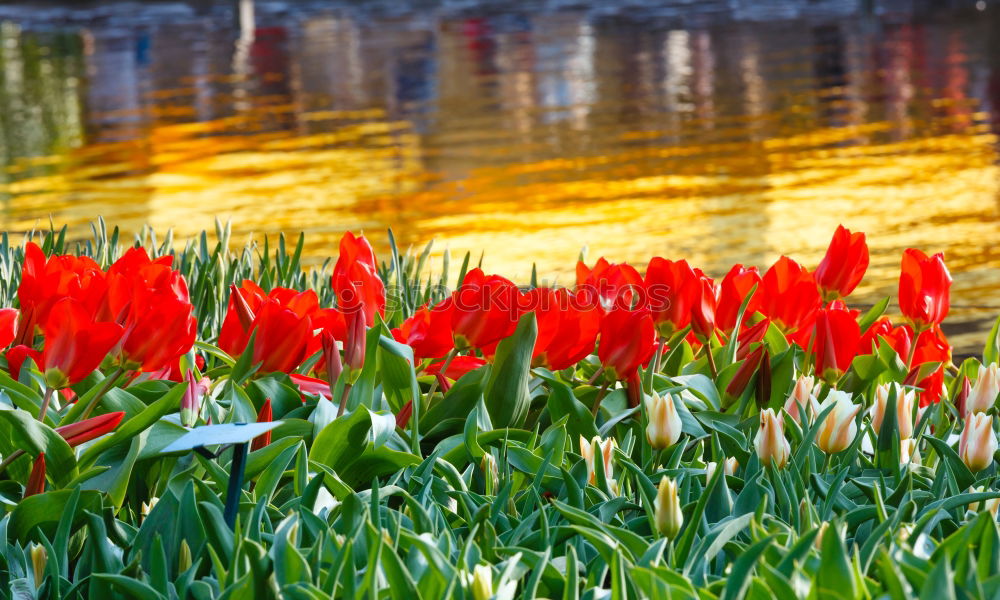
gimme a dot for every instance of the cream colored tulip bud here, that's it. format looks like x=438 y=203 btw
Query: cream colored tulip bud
x=904 y=408
x=597 y=453
x=482 y=582
x=664 y=428
x=978 y=442
x=39 y=560
x=772 y=447
x=984 y=392
x=729 y=465
x=145 y=509
x=491 y=475
x=992 y=505
x=838 y=429
x=803 y=398
x=909 y=453
x=667 y=509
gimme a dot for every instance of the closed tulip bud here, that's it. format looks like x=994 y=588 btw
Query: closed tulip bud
x=838 y=429
x=191 y=400
x=597 y=454
x=183 y=557
x=803 y=404
x=265 y=415
x=992 y=505
x=978 y=442
x=354 y=347
x=729 y=467
x=36 y=480
x=664 y=428
x=984 y=392
x=770 y=443
x=667 y=509
x=909 y=452
x=491 y=475
x=39 y=560
x=904 y=409
x=482 y=582
x=745 y=373
x=243 y=311
x=88 y=429
x=145 y=509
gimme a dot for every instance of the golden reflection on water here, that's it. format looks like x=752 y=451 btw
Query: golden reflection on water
x=719 y=145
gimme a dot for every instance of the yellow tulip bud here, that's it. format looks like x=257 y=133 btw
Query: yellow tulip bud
x=39 y=559
x=482 y=582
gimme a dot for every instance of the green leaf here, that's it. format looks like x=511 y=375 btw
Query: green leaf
x=506 y=394
x=45 y=511
x=348 y=446
x=21 y=431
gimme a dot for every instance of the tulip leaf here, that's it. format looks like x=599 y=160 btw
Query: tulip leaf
x=963 y=476
x=563 y=404
x=46 y=512
x=24 y=432
x=399 y=380
x=873 y=314
x=506 y=394
x=991 y=351
x=349 y=446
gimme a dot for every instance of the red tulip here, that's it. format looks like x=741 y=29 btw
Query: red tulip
x=428 y=332
x=36 y=480
x=924 y=284
x=835 y=342
x=8 y=326
x=355 y=279
x=75 y=344
x=703 y=309
x=733 y=290
x=264 y=415
x=869 y=341
x=844 y=264
x=332 y=364
x=355 y=345
x=567 y=327
x=611 y=285
x=311 y=386
x=282 y=320
x=46 y=281
x=88 y=429
x=460 y=365
x=16 y=357
x=749 y=336
x=673 y=289
x=628 y=339
x=932 y=386
x=484 y=310
x=790 y=296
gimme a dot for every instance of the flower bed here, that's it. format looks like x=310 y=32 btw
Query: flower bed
x=646 y=433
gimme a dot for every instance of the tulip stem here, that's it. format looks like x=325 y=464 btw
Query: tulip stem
x=597 y=374
x=11 y=458
x=343 y=399
x=659 y=354
x=106 y=386
x=443 y=371
x=711 y=359
x=45 y=403
x=917 y=331
x=600 y=396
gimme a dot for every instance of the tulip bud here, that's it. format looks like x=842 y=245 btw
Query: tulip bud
x=770 y=443
x=978 y=442
x=597 y=453
x=904 y=409
x=191 y=401
x=491 y=475
x=183 y=557
x=667 y=509
x=263 y=416
x=749 y=336
x=39 y=560
x=36 y=480
x=664 y=428
x=145 y=509
x=838 y=429
x=909 y=452
x=744 y=373
x=984 y=392
x=331 y=354
x=482 y=582
x=729 y=467
x=88 y=429
x=354 y=347
x=804 y=397
x=992 y=505
x=962 y=395
x=243 y=310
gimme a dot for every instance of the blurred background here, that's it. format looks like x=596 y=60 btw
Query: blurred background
x=720 y=131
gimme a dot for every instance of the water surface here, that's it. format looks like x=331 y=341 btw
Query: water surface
x=721 y=135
